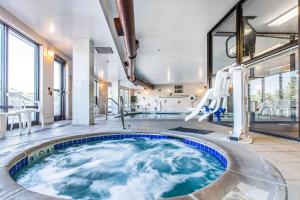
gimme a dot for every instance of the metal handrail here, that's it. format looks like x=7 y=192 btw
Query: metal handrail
x=121 y=109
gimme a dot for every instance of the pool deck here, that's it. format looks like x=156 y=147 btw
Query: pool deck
x=283 y=154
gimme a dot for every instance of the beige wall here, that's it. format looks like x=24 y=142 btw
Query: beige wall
x=103 y=94
x=46 y=66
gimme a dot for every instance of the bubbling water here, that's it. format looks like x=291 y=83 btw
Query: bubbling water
x=122 y=169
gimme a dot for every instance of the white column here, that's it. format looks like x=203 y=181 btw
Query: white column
x=240 y=102
x=46 y=84
x=115 y=86
x=83 y=85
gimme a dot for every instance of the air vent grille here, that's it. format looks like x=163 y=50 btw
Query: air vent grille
x=104 y=50
x=178 y=89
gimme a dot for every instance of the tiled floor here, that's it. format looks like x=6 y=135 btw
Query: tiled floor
x=284 y=154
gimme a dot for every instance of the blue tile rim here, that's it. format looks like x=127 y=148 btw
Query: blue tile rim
x=90 y=139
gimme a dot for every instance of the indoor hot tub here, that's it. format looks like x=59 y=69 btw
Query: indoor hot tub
x=120 y=166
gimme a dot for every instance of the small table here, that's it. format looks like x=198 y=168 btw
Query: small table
x=3 y=121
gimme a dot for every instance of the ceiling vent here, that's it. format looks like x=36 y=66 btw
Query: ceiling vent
x=104 y=50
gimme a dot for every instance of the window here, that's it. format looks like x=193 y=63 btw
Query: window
x=269 y=49
x=19 y=66
x=58 y=89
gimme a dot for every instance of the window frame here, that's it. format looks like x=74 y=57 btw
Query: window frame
x=4 y=66
x=238 y=9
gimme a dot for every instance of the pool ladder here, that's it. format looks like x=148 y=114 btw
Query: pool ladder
x=120 y=106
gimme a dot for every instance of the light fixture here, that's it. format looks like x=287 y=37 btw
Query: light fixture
x=101 y=74
x=284 y=17
x=200 y=72
x=50 y=53
x=51 y=27
x=168 y=75
x=101 y=85
x=281 y=68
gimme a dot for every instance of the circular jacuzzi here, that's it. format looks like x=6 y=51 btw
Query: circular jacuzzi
x=120 y=166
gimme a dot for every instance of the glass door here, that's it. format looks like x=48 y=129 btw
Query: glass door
x=58 y=90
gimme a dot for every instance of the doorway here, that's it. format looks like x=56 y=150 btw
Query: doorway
x=59 y=89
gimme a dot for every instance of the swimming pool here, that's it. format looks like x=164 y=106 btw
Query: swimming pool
x=146 y=115
x=126 y=166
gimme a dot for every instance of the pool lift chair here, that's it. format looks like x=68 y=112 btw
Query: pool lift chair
x=215 y=101
x=216 y=95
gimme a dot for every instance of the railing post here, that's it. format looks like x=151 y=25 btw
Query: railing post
x=106 y=109
x=122 y=111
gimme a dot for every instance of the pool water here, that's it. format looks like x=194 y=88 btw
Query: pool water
x=156 y=115
x=122 y=169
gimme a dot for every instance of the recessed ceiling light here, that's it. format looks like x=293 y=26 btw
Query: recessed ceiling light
x=168 y=75
x=200 y=72
x=51 y=27
x=101 y=74
x=285 y=17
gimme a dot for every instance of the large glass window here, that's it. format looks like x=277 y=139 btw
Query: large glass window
x=270 y=52
x=21 y=65
x=273 y=95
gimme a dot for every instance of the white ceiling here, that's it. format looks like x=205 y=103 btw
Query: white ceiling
x=178 y=29
x=60 y=22
x=172 y=33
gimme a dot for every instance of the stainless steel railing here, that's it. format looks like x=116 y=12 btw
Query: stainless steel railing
x=120 y=107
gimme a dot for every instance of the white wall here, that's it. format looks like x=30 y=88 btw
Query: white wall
x=46 y=66
x=149 y=99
